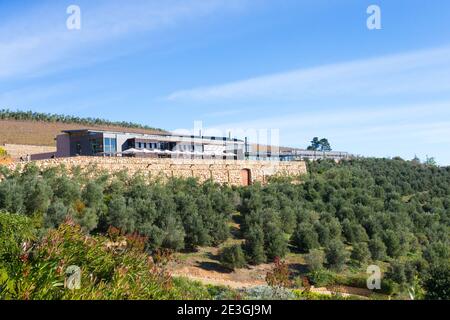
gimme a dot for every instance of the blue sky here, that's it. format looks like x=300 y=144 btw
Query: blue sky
x=306 y=68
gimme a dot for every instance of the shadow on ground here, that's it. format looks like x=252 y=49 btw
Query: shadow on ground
x=298 y=269
x=213 y=266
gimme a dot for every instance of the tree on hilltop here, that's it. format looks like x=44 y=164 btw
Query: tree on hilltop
x=319 y=145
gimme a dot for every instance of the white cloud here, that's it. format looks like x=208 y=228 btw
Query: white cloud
x=426 y=71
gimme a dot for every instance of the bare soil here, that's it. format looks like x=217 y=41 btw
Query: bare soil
x=205 y=267
x=5 y=160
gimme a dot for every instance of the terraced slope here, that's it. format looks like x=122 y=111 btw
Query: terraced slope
x=41 y=133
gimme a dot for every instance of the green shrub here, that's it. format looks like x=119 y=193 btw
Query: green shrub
x=315 y=259
x=336 y=255
x=232 y=257
x=175 y=214
x=377 y=249
x=308 y=295
x=360 y=253
x=194 y=290
x=305 y=237
x=16 y=232
x=109 y=270
x=268 y=293
x=276 y=245
x=396 y=273
x=392 y=242
x=3 y=152
x=254 y=245
x=437 y=283
x=322 y=278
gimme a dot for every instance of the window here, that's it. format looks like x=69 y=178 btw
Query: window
x=96 y=146
x=110 y=145
x=107 y=145
x=78 y=148
x=113 y=145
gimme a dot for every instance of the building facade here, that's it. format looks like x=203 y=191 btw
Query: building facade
x=87 y=142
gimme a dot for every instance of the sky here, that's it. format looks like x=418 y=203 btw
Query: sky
x=302 y=68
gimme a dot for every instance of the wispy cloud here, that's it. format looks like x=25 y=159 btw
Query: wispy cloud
x=38 y=40
x=426 y=71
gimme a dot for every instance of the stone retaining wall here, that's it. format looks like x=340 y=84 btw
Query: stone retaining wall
x=222 y=171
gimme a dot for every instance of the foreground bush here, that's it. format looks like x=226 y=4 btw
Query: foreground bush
x=110 y=268
x=269 y=293
x=437 y=283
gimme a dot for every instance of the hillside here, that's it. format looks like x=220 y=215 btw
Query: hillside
x=343 y=217
x=40 y=129
x=42 y=133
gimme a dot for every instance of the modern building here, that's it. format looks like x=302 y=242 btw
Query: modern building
x=86 y=142
x=298 y=155
x=292 y=154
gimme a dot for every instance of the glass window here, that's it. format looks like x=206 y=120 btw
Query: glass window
x=78 y=148
x=113 y=145
x=107 y=145
x=96 y=146
x=110 y=145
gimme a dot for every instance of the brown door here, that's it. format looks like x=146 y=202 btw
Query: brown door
x=245 y=177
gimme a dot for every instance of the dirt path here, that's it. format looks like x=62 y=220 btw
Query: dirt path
x=232 y=280
x=221 y=281
x=203 y=266
x=211 y=273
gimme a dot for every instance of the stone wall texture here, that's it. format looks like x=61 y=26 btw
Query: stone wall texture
x=221 y=171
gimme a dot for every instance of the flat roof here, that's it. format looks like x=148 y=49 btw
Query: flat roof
x=154 y=135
